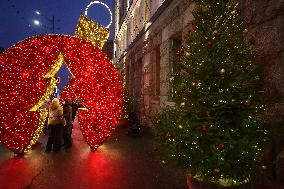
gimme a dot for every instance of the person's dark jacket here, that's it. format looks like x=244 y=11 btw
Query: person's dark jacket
x=74 y=110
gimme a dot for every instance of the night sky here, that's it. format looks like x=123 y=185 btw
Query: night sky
x=17 y=17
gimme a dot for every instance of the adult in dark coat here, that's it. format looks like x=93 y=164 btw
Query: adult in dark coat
x=134 y=127
x=67 y=113
x=75 y=106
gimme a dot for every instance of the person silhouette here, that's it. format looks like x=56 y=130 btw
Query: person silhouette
x=56 y=122
x=75 y=107
x=67 y=131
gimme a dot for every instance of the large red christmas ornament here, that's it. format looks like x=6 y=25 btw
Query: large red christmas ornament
x=23 y=83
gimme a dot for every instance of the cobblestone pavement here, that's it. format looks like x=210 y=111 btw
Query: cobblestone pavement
x=122 y=162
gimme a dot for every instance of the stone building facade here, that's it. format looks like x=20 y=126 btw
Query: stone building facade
x=146 y=47
x=266 y=31
x=148 y=33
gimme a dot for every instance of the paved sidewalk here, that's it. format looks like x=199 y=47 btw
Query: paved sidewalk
x=121 y=162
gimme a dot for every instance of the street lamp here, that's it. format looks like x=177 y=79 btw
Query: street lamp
x=37 y=22
x=51 y=20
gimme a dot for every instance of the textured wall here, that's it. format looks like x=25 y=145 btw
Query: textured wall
x=174 y=20
x=266 y=37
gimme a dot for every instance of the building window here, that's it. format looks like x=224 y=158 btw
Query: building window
x=136 y=74
x=174 y=69
x=130 y=77
x=122 y=10
x=156 y=72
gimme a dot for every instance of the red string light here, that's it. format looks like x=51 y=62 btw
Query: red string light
x=22 y=68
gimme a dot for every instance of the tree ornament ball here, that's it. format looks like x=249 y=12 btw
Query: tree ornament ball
x=168 y=135
x=177 y=54
x=222 y=71
x=230 y=43
x=194 y=27
x=182 y=90
x=187 y=54
x=181 y=50
x=216 y=170
x=216 y=33
x=23 y=67
x=208 y=113
x=204 y=128
x=221 y=146
x=210 y=42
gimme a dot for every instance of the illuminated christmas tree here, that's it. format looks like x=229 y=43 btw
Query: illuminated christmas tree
x=215 y=130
